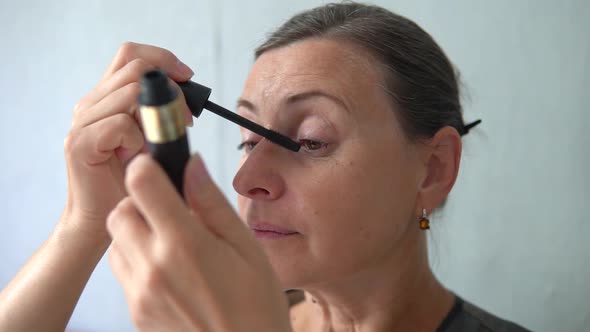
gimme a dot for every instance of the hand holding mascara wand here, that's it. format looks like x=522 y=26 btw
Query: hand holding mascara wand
x=164 y=127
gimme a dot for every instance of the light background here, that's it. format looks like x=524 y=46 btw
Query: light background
x=513 y=237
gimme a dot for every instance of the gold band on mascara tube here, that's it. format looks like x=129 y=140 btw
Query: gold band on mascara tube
x=162 y=124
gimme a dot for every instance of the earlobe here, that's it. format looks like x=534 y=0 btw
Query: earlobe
x=442 y=167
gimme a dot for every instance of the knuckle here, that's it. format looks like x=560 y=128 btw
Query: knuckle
x=117 y=213
x=120 y=211
x=123 y=121
x=132 y=89
x=126 y=205
x=78 y=109
x=113 y=255
x=127 y=49
x=140 y=307
x=166 y=253
x=138 y=65
x=71 y=142
x=138 y=174
x=112 y=220
x=169 y=56
x=154 y=280
x=175 y=249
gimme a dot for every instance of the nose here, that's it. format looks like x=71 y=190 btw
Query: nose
x=259 y=177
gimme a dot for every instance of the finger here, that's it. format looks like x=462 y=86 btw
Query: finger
x=156 y=56
x=122 y=100
x=129 y=73
x=188 y=115
x=157 y=199
x=120 y=265
x=129 y=230
x=96 y=143
x=104 y=102
x=208 y=202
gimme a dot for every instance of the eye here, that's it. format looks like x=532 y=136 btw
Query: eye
x=247 y=146
x=307 y=144
x=311 y=145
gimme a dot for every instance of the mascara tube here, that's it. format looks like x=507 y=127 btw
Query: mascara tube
x=164 y=125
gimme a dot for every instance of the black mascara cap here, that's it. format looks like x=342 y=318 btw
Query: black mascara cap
x=196 y=96
x=155 y=90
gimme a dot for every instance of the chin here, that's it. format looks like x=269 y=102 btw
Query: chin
x=291 y=270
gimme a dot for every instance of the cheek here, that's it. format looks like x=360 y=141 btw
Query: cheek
x=357 y=210
x=242 y=201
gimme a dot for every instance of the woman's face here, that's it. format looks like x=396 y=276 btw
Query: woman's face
x=341 y=204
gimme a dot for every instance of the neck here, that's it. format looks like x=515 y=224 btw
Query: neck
x=402 y=294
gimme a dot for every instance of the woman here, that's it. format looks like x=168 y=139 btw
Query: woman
x=374 y=103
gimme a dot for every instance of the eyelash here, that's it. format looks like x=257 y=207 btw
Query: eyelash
x=305 y=144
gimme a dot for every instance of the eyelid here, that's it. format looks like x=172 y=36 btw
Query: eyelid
x=317 y=134
x=304 y=142
x=240 y=146
x=250 y=136
x=243 y=145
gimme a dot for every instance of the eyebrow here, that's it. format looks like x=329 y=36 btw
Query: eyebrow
x=297 y=98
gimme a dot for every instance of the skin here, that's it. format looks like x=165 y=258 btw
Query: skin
x=354 y=197
x=176 y=258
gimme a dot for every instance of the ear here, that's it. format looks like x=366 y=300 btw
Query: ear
x=441 y=156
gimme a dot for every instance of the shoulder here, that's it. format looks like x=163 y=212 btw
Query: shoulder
x=467 y=317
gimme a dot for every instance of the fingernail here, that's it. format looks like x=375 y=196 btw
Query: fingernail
x=183 y=69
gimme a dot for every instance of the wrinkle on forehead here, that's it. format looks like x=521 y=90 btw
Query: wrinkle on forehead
x=340 y=68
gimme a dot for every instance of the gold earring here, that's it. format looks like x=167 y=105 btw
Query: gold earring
x=424 y=222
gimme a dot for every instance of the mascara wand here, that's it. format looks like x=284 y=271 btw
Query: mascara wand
x=197 y=99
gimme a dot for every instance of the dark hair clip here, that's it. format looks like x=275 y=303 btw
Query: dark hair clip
x=468 y=126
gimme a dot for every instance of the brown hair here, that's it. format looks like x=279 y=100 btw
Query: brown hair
x=418 y=75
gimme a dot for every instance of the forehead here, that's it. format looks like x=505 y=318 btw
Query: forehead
x=334 y=66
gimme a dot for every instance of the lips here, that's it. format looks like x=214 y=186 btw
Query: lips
x=266 y=230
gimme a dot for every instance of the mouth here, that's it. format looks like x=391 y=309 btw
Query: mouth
x=270 y=231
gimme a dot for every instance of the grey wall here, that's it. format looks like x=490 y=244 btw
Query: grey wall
x=513 y=237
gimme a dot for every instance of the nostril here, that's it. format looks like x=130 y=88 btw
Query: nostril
x=258 y=191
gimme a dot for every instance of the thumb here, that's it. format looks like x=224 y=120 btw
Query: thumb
x=211 y=207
